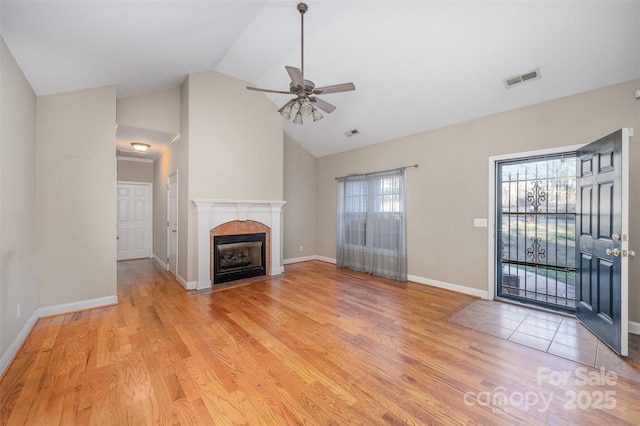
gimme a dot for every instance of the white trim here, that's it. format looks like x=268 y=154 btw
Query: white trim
x=308 y=258
x=160 y=262
x=81 y=305
x=168 y=227
x=139 y=160
x=188 y=285
x=326 y=259
x=134 y=182
x=458 y=288
x=17 y=343
x=634 y=327
x=624 y=261
x=491 y=239
x=298 y=259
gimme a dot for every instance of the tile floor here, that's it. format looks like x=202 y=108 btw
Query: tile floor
x=554 y=333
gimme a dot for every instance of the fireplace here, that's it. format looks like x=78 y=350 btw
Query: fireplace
x=238 y=256
x=229 y=217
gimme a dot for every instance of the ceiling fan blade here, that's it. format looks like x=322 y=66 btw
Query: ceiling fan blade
x=336 y=88
x=268 y=90
x=296 y=76
x=323 y=105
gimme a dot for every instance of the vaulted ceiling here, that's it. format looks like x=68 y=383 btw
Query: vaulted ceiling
x=416 y=65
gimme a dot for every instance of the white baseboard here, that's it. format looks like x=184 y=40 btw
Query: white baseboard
x=48 y=311
x=308 y=258
x=160 y=262
x=299 y=259
x=187 y=285
x=449 y=286
x=634 y=327
x=81 y=305
x=326 y=259
x=17 y=343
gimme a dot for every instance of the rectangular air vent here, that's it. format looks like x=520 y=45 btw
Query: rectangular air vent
x=351 y=132
x=522 y=78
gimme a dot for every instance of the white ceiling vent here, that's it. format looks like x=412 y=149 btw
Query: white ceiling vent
x=352 y=132
x=522 y=78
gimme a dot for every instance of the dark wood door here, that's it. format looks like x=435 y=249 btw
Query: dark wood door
x=601 y=228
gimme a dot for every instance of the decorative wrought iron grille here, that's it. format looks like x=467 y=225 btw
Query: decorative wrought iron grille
x=536 y=228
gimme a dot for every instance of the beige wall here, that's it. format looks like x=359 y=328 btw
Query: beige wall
x=156 y=111
x=451 y=188
x=135 y=171
x=17 y=202
x=299 y=214
x=235 y=146
x=75 y=193
x=160 y=173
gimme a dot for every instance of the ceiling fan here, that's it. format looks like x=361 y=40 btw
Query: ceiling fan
x=306 y=102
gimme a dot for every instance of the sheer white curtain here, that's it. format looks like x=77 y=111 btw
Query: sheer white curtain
x=371 y=224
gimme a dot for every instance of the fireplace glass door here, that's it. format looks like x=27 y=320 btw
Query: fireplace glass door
x=238 y=256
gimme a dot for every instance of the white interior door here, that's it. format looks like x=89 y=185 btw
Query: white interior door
x=134 y=221
x=172 y=223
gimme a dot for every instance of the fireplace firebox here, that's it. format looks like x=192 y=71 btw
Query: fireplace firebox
x=238 y=256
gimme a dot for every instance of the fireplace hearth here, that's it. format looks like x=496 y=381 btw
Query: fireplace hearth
x=238 y=256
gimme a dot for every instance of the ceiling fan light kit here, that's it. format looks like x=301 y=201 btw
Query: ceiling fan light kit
x=306 y=103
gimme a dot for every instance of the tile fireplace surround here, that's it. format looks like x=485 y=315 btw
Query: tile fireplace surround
x=211 y=213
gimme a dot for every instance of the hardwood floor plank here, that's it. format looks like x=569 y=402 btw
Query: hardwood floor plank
x=316 y=345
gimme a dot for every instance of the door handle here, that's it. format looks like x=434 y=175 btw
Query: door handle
x=616 y=237
x=615 y=252
x=631 y=253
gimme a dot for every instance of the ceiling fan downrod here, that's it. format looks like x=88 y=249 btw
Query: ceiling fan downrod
x=302 y=8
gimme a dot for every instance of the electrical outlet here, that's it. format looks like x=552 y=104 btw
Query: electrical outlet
x=301 y=248
x=18 y=310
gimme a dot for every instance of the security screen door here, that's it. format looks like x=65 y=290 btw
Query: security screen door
x=536 y=228
x=562 y=234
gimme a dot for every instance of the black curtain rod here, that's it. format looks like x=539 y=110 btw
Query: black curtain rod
x=373 y=173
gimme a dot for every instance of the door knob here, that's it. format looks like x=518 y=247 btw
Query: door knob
x=616 y=237
x=615 y=252
x=632 y=253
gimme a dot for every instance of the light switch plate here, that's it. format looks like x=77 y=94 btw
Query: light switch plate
x=480 y=222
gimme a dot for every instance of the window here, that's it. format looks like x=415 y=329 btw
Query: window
x=371 y=225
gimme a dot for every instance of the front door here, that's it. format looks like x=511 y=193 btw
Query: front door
x=602 y=239
x=134 y=221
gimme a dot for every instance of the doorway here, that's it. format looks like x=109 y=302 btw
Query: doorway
x=535 y=224
x=600 y=243
x=134 y=220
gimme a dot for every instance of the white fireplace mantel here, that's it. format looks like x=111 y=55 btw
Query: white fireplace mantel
x=211 y=213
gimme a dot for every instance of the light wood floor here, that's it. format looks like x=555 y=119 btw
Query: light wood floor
x=318 y=345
